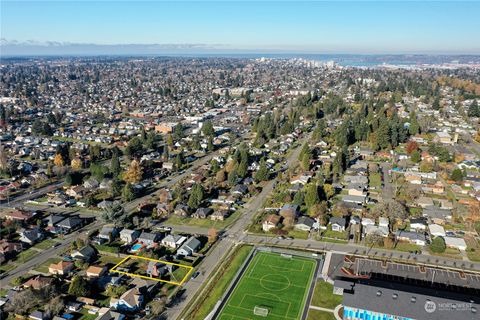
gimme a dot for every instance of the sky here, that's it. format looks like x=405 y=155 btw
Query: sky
x=249 y=26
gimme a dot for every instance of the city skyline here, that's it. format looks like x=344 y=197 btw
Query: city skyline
x=358 y=27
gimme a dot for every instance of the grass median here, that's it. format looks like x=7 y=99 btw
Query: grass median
x=217 y=287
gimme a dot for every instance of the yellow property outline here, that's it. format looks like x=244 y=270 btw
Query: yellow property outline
x=151 y=278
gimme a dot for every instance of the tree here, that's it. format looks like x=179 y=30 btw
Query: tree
x=299 y=198
x=311 y=196
x=114 y=213
x=232 y=177
x=127 y=193
x=68 y=179
x=390 y=208
x=438 y=245
x=242 y=169
x=179 y=161
x=212 y=235
x=58 y=160
x=207 y=129
x=329 y=190
x=474 y=109
x=262 y=173
x=134 y=173
x=79 y=287
x=54 y=306
x=411 y=146
x=457 y=175
x=115 y=167
x=415 y=156
x=134 y=147
x=115 y=291
x=196 y=196
x=76 y=164
x=220 y=176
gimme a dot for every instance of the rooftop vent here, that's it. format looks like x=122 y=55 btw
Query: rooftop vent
x=394 y=296
x=379 y=293
x=413 y=299
x=474 y=310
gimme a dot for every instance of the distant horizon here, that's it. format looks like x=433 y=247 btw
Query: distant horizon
x=305 y=27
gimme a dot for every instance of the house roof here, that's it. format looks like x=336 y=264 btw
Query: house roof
x=306 y=221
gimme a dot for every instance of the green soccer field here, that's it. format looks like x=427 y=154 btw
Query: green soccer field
x=273 y=282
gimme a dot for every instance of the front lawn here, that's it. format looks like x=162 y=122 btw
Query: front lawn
x=44 y=266
x=206 y=223
x=334 y=234
x=323 y=296
x=375 y=180
x=26 y=255
x=407 y=247
x=45 y=244
x=298 y=234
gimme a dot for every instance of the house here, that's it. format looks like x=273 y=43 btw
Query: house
x=219 y=215
x=95 y=271
x=418 y=224
x=148 y=238
x=61 y=268
x=18 y=215
x=70 y=224
x=377 y=230
x=355 y=199
x=270 y=222
x=157 y=269
x=437 y=215
x=182 y=210
x=173 y=241
x=202 y=213
x=91 y=183
x=38 y=282
x=302 y=179
x=108 y=314
x=75 y=192
x=131 y=300
x=290 y=209
x=383 y=222
x=189 y=247
x=9 y=247
x=31 y=236
x=304 y=223
x=338 y=224
x=443 y=137
x=240 y=189
x=356 y=189
x=436 y=230
x=37 y=315
x=355 y=220
x=129 y=236
x=411 y=237
x=53 y=219
x=74 y=306
x=457 y=243
x=108 y=233
x=424 y=202
x=86 y=253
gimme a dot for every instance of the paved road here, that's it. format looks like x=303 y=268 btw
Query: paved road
x=129 y=207
x=18 y=201
x=46 y=254
x=226 y=243
x=362 y=250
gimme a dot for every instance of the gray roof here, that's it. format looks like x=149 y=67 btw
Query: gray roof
x=340 y=221
x=410 y=235
x=409 y=301
x=306 y=221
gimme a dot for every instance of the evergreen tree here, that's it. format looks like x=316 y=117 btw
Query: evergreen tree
x=262 y=173
x=311 y=195
x=115 y=163
x=196 y=196
x=128 y=193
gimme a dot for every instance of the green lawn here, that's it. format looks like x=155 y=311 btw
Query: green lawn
x=26 y=255
x=220 y=283
x=319 y=315
x=473 y=254
x=45 y=244
x=104 y=259
x=298 y=234
x=274 y=282
x=44 y=266
x=335 y=234
x=6 y=267
x=207 y=223
x=407 y=247
x=323 y=296
x=375 y=180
